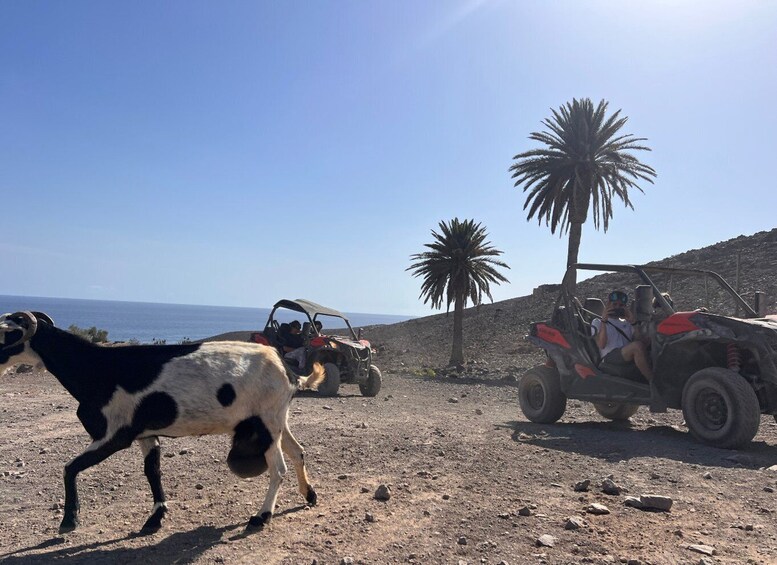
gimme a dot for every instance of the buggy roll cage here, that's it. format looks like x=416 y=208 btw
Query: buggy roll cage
x=312 y=311
x=642 y=272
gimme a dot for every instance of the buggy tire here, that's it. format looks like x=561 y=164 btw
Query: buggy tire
x=616 y=411
x=540 y=396
x=331 y=383
x=372 y=386
x=721 y=408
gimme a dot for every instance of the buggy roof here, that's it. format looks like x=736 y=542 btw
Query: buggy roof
x=308 y=307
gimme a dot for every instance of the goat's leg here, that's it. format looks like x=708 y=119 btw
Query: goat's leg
x=296 y=453
x=151 y=467
x=277 y=468
x=97 y=452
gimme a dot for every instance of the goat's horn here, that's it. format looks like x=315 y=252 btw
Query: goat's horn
x=43 y=318
x=29 y=331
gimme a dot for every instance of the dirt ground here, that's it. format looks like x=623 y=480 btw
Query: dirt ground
x=462 y=464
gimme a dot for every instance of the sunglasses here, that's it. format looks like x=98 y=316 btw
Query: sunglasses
x=621 y=297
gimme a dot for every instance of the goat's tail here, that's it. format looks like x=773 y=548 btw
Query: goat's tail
x=314 y=379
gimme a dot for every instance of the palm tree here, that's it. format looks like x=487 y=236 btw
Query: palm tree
x=459 y=266
x=586 y=162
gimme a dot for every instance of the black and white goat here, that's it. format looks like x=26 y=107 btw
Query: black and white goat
x=139 y=393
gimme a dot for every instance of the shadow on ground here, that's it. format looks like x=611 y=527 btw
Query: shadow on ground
x=180 y=547
x=468 y=381
x=618 y=441
x=315 y=394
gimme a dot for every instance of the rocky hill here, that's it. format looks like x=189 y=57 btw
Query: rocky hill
x=494 y=333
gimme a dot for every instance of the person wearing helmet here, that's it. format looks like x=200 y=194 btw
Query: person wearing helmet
x=615 y=336
x=294 y=345
x=659 y=313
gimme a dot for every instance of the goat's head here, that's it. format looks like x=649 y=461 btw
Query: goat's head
x=16 y=330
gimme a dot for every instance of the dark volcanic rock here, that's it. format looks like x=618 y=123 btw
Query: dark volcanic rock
x=494 y=344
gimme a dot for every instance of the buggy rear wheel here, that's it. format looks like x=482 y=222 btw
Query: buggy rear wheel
x=721 y=408
x=616 y=411
x=331 y=383
x=540 y=396
x=372 y=386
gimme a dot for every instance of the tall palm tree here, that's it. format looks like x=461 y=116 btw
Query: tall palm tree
x=586 y=161
x=459 y=265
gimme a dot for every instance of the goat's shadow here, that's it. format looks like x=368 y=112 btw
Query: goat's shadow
x=180 y=547
x=619 y=441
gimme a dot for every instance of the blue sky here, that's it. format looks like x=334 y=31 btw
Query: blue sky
x=236 y=153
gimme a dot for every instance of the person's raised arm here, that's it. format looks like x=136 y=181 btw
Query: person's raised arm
x=601 y=336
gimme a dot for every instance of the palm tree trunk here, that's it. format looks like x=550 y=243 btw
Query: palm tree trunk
x=575 y=235
x=457 y=353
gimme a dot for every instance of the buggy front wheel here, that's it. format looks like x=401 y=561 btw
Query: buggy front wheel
x=540 y=396
x=372 y=386
x=331 y=383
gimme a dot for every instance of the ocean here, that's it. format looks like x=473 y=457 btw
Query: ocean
x=146 y=321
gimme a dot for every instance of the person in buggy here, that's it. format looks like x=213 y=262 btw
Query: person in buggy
x=614 y=334
x=659 y=313
x=294 y=344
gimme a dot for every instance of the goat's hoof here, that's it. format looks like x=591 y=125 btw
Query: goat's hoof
x=154 y=522
x=260 y=521
x=312 y=497
x=68 y=525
